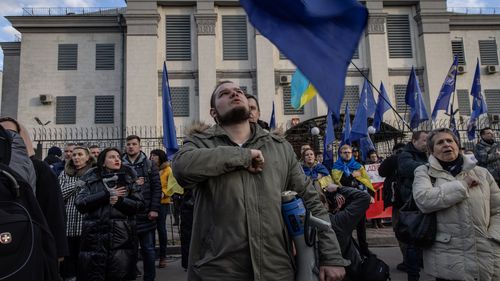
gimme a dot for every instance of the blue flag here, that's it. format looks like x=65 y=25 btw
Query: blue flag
x=329 y=139
x=478 y=103
x=365 y=145
x=169 y=134
x=382 y=106
x=443 y=100
x=319 y=37
x=372 y=104
x=272 y=121
x=413 y=98
x=346 y=131
x=360 y=122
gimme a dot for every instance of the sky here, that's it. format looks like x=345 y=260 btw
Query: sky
x=14 y=7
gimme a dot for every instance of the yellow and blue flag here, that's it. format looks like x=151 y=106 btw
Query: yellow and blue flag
x=318 y=36
x=302 y=90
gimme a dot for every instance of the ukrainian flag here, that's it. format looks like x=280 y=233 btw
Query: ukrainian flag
x=302 y=90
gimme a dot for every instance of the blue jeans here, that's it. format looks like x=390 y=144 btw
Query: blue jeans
x=161 y=227
x=147 y=242
x=413 y=256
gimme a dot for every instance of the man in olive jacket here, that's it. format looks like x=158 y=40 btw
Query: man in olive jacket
x=238 y=229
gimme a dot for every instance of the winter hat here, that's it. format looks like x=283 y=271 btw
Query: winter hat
x=55 y=151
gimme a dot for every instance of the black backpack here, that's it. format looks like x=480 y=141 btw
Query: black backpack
x=27 y=247
x=375 y=269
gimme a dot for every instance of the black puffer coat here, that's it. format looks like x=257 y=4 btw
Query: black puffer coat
x=108 y=243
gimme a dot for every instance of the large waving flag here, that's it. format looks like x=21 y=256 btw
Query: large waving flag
x=169 y=134
x=443 y=100
x=413 y=98
x=318 y=36
x=478 y=103
x=272 y=121
x=302 y=90
x=372 y=104
x=346 y=131
x=360 y=123
x=382 y=106
x=327 y=143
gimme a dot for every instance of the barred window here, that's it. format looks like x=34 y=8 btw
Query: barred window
x=178 y=37
x=66 y=110
x=234 y=38
x=351 y=95
x=464 y=106
x=400 y=93
x=67 y=57
x=104 y=110
x=180 y=101
x=287 y=102
x=492 y=100
x=457 y=47
x=488 y=52
x=105 y=56
x=399 y=36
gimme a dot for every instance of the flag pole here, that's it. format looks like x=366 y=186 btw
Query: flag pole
x=380 y=95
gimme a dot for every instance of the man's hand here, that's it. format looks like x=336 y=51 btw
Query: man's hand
x=331 y=273
x=152 y=215
x=332 y=187
x=356 y=174
x=257 y=161
x=139 y=181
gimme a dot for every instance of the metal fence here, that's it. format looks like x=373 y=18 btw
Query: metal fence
x=72 y=11
x=475 y=10
x=151 y=137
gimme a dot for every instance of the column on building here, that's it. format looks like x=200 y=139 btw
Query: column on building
x=10 y=85
x=206 y=18
x=376 y=45
x=434 y=36
x=266 y=84
x=141 y=63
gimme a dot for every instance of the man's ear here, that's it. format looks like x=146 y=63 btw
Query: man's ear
x=213 y=113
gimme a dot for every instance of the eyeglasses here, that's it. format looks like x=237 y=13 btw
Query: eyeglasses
x=346 y=152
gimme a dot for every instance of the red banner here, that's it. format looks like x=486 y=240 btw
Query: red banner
x=376 y=210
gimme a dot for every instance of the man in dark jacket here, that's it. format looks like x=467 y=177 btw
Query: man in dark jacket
x=487 y=152
x=253 y=105
x=414 y=154
x=53 y=156
x=347 y=207
x=149 y=181
x=237 y=172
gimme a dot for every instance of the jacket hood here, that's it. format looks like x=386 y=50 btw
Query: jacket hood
x=197 y=128
x=141 y=158
x=163 y=166
x=467 y=166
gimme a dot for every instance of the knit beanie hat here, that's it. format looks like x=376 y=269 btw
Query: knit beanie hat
x=55 y=151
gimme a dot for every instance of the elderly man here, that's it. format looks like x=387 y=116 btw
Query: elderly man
x=487 y=152
x=238 y=231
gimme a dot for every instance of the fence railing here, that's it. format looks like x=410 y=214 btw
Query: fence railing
x=475 y=10
x=72 y=11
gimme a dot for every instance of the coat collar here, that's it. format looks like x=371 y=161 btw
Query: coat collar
x=436 y=170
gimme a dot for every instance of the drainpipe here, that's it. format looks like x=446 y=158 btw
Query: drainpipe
x=122 y=106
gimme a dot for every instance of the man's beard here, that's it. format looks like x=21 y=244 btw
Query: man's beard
x=235 y=116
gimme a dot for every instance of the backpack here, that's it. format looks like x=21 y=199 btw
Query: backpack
x=375 y=269
x=27 y=247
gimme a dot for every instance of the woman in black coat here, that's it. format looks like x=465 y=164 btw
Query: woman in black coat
x=109 y=201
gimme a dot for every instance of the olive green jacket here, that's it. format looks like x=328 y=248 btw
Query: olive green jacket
x=238 y=229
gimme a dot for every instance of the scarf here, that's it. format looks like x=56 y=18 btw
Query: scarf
x=453 y=167
x=346 y=167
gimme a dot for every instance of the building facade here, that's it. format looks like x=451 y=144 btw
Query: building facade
x=102 y=67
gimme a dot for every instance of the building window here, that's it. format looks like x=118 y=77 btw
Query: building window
x=463 y=102
x=104 y=110
x=234 y=38
x=351 y=95
x=178 y=42
x=180 y=101
x=66 y=110
x=489 y=52
x=457 y=48
x=492 y=100
x=67 y=57
x=400 y=93
x=104 y=56
x=287 y=103
x=355 y=56
x=399 y=36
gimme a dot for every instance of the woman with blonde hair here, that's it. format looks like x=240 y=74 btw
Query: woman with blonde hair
x=81 y=161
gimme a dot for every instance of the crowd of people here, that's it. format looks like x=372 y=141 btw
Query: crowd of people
x=224 y=187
